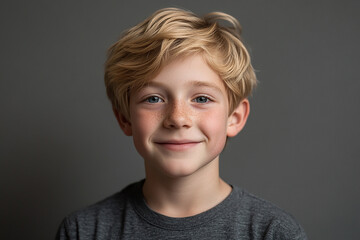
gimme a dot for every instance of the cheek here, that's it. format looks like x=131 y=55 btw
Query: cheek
x=214 y=125
x=143 y=124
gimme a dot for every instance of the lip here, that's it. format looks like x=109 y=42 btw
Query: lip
x=178 y=145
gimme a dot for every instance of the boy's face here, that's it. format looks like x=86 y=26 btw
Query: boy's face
x=180 y=120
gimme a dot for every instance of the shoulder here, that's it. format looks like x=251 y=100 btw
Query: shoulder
x=266 y=219
x=112 y=205
x=99 y=217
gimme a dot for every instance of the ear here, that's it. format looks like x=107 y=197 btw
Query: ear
x=123 y=122
x=237 y=119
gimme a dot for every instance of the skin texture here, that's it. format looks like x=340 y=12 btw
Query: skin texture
x=179 y=123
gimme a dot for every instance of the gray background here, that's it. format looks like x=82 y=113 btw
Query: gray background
x=61 y=148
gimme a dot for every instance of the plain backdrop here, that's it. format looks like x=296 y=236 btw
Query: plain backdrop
x=61 y=148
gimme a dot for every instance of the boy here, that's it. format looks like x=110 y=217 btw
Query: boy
x=179 y=85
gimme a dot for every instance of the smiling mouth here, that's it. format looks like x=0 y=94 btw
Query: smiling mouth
x=177 y=146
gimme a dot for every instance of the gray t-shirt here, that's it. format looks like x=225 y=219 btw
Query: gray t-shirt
x=125 y=215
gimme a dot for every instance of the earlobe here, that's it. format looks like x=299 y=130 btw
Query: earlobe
x=125 y=125
x=237 y=118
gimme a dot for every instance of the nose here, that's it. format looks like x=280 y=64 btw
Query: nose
x=178 y=115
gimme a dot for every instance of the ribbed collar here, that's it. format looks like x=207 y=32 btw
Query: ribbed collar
x=170 y=223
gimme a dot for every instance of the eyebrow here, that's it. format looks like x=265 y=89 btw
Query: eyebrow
x=205 y=84
x=194 y=83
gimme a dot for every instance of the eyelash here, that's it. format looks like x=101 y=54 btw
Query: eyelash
x=159 y=99
x=153 y=97
x=204 y=97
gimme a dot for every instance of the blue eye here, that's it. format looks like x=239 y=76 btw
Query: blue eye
x=202 y=99
x=153 y=99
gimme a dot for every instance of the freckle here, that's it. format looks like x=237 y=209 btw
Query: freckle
x=158 y=115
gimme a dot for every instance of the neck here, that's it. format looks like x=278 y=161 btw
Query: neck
x=187 y=195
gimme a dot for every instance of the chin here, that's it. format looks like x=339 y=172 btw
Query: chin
x=179 y=172
x=179 y=169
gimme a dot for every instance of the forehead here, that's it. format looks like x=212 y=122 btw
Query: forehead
x=191 y=70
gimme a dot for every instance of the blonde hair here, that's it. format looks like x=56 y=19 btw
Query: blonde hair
x=169 y=33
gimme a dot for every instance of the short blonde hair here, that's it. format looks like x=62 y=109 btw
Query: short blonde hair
x=144 y=50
